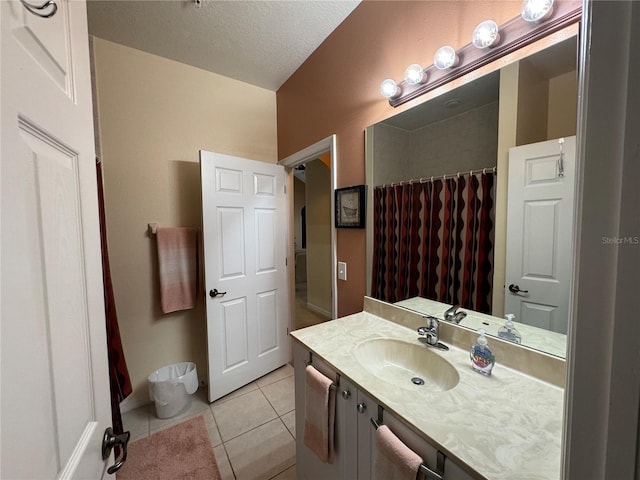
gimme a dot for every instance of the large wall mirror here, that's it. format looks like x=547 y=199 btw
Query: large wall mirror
x=470 y=198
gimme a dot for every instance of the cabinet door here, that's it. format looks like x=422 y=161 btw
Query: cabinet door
x=424 y=449
x=366 y=409
x=453 y=471
x=347 y=400
x=308 y=465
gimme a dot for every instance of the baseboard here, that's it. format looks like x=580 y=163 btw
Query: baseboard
x=321 y=311
x=132 y=402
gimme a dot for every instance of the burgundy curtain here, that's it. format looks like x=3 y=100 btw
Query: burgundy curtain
x=434 y=239
x=119 y=381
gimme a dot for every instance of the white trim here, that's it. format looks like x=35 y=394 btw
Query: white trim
x=327 y=145
x=322 y=147
x=602 y=394
x=369 y=134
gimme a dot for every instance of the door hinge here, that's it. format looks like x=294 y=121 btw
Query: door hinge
x=287 y=330
x=286 y=261
x=285 y=189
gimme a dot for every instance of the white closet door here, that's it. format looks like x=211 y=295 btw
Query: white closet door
x=539 y=233
x=245 y=245
x=55 y=385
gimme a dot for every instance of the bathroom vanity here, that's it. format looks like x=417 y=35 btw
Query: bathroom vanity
x=463 y=424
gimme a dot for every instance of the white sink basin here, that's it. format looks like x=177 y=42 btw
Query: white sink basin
x=400 y=363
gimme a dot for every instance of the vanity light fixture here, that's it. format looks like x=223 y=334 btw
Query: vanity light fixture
x=415 y=74
x=534 y=11
x=490 y=42
x=390 y=89
x=486 y=34
x=445 y=58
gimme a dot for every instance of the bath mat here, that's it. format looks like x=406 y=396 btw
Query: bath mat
x=180 y=452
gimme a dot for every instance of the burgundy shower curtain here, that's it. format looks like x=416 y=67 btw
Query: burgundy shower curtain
x=119 y=381
x=434 y=239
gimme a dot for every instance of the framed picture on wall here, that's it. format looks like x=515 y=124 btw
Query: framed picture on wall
x=350 y=209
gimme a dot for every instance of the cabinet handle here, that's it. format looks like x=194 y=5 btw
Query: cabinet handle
x=361 y=407
x=346 y=394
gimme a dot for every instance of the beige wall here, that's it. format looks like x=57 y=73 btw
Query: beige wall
x=563 y=105
x=533 y=94
x=507 y=130
x=532 y=109
x=318 y=202
x=299 y=196
x=547 y=107
x=154 y=115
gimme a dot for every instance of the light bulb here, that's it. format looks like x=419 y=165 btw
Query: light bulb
x=486 y=34
x=536 y=10
x=389 y=88
x=445 y=58
x=414 y=74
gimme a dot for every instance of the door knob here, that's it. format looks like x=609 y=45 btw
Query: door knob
x=111 y=440
x=516 y=289
x=361 y=407
x=39 y=10
x=214 y=293
x=346 y=394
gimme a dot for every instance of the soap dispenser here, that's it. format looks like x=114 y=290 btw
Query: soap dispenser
x=482 y=358
x=508 y=330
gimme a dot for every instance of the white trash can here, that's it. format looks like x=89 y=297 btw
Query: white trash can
x=171 y=388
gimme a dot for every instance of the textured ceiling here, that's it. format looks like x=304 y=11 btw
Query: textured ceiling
x=257 y=42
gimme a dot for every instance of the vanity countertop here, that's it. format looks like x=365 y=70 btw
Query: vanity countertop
x=505 y=426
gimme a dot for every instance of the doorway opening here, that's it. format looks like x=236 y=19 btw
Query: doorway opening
x=312 y=246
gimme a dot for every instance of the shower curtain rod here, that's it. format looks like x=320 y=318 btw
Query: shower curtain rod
x=431 y=178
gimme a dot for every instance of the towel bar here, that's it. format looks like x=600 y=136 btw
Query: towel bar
x=336 y=383
x=152 y=228
x=426 y=471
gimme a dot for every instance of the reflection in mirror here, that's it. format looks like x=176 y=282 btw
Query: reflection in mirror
x=471 y=200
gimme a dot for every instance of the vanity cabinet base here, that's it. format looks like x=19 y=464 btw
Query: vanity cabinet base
x=308 y=465
x=355 y=446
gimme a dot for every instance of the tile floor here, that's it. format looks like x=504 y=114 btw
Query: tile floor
x=252 y=430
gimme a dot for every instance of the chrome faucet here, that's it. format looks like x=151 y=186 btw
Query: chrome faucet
x=453 y=315
x=430 y=332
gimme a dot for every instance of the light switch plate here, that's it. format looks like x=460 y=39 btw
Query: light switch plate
x=342 y=270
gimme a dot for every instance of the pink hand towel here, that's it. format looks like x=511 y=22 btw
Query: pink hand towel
x=178 y=267
x=319 y=414
x=394 y=460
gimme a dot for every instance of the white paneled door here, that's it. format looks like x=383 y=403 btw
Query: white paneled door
x=244 y=216
x=55 y=385
x=539 y=233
